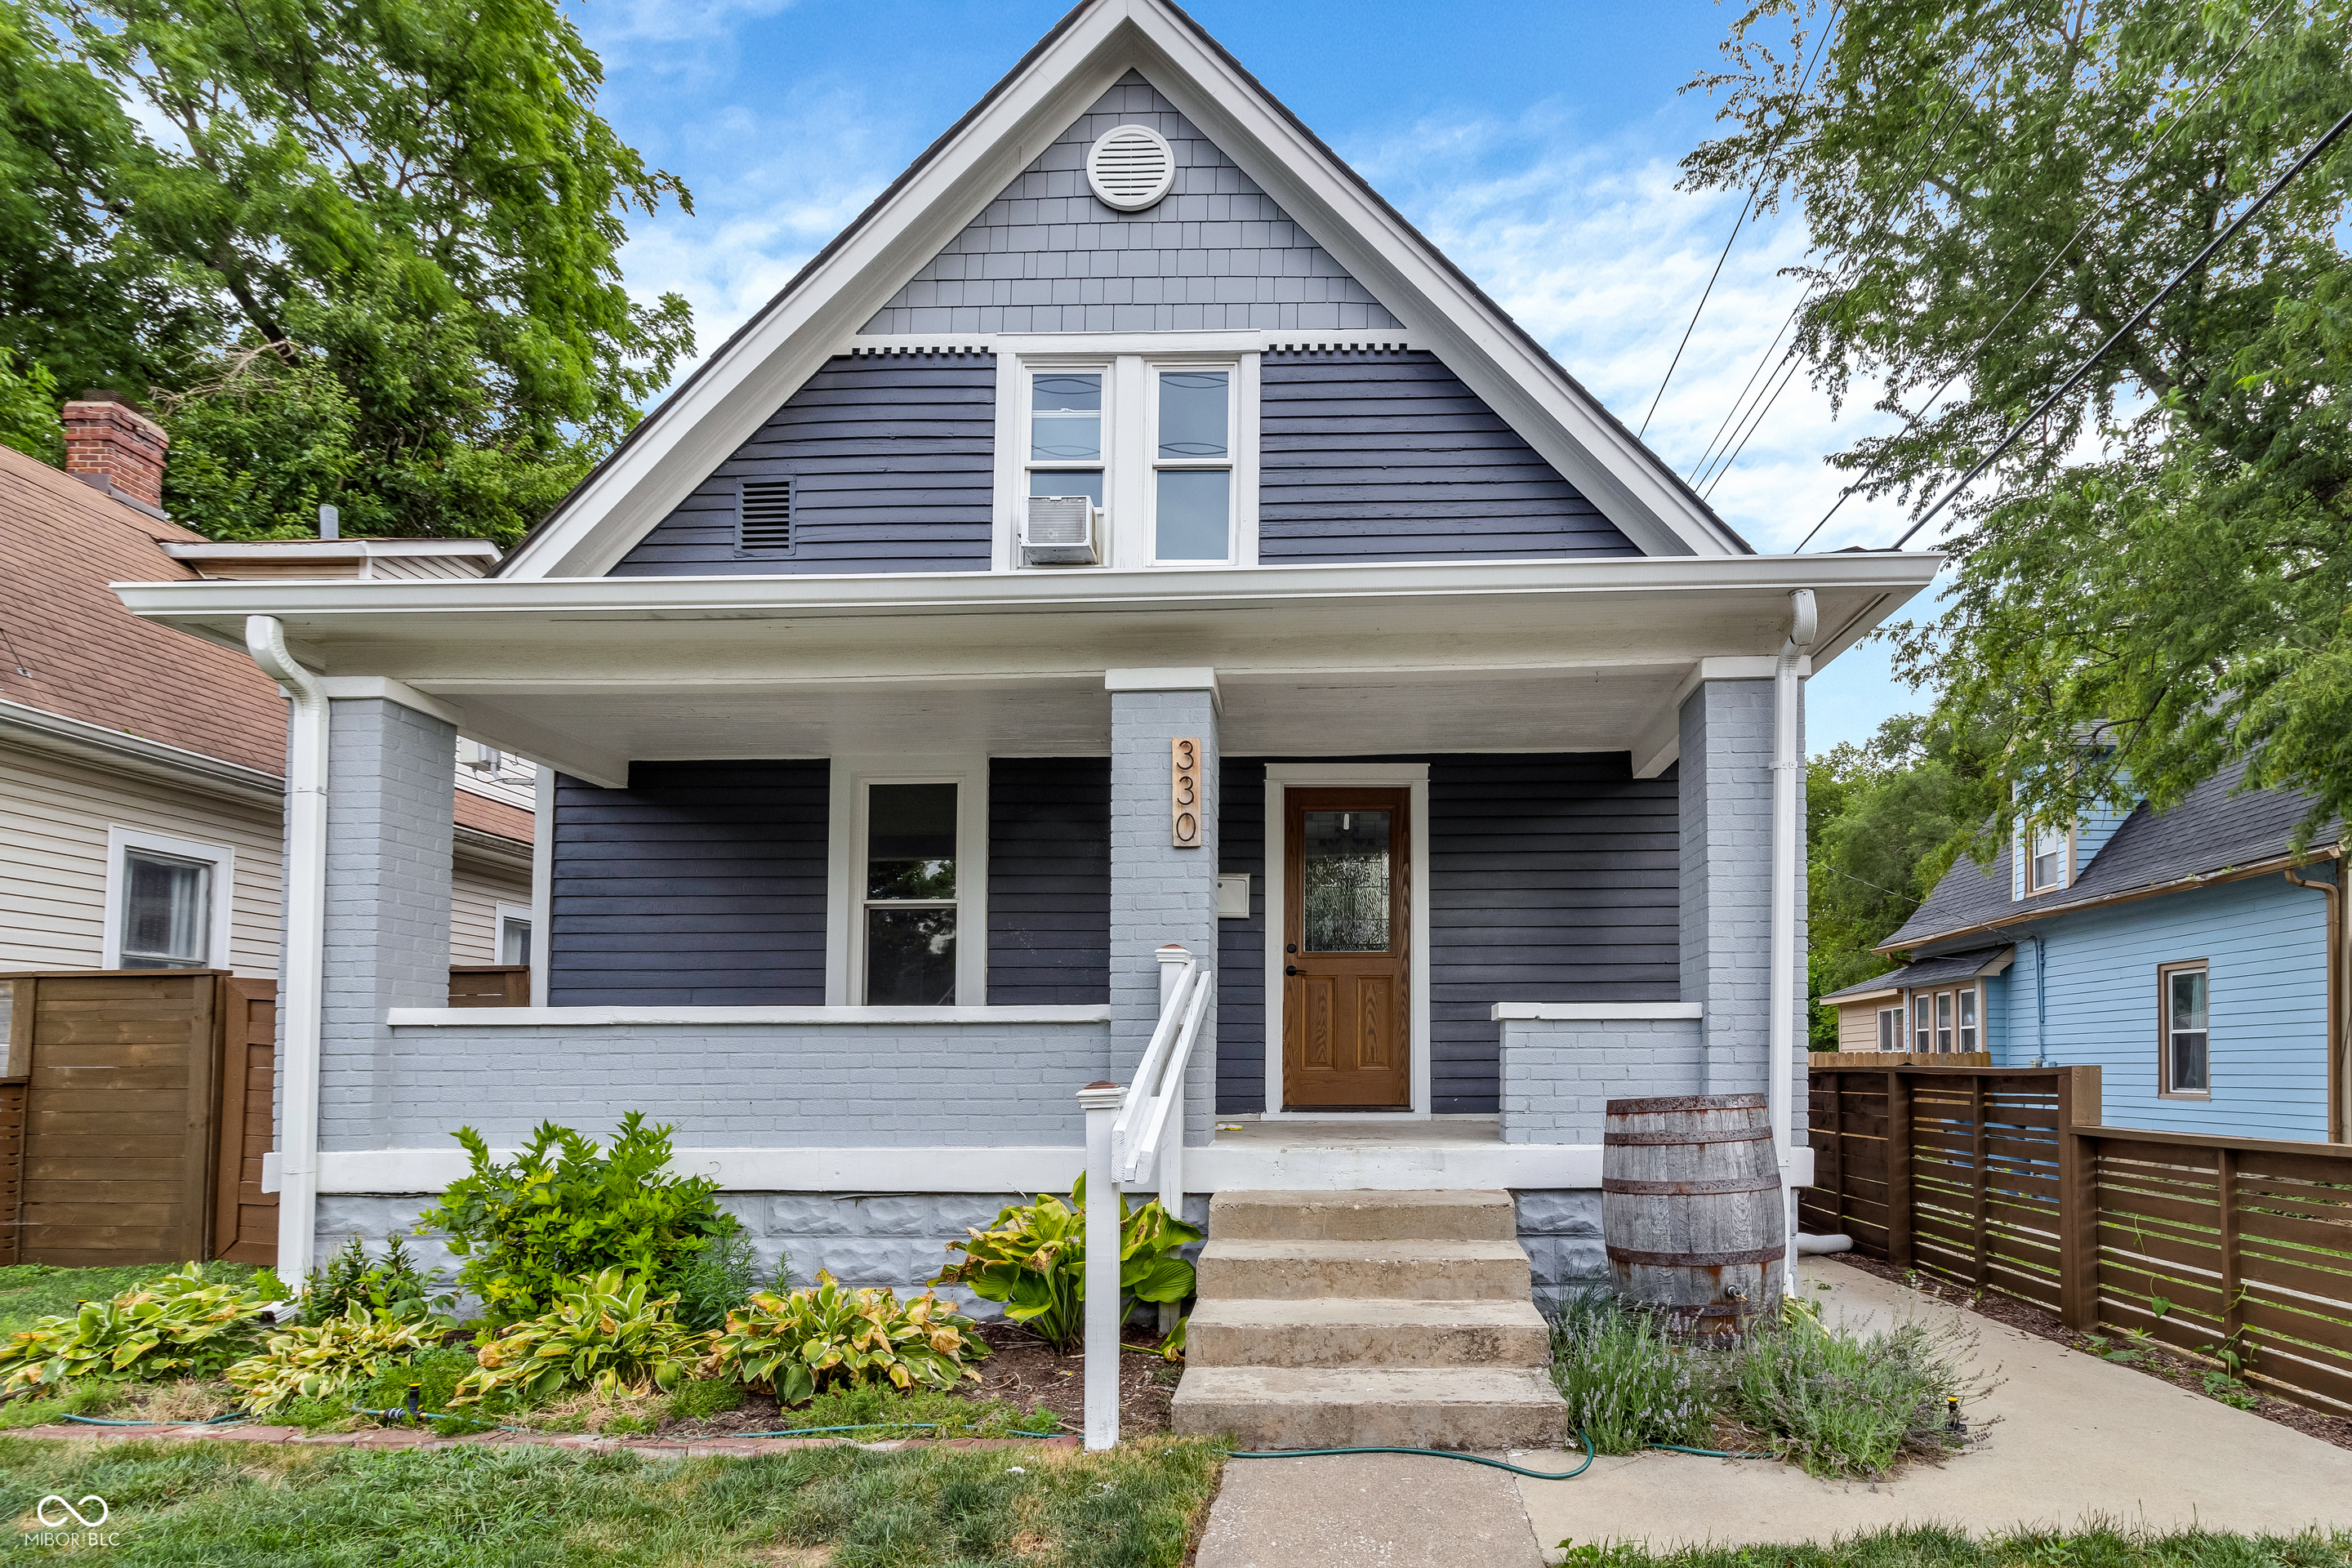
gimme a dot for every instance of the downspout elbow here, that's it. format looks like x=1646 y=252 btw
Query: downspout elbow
x=2339 y=1040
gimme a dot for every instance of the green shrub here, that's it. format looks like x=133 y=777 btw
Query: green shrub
x=721 y=1277
x=602 y=1332
x=180 y=1324
x=1625 y=1385
x=394 y=1288
x=1034 y=1260
x=1850 y=1405
x=794 y=1345
x=325 y=1360
x=565 y=1209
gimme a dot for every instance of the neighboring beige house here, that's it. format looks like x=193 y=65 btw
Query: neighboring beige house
x=142 y=771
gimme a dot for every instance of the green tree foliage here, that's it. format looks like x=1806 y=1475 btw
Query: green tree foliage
x=29 y=410
x=2164 y=561
x=1885 y=821
x=354 y=250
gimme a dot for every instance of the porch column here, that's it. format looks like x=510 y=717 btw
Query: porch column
x=1160 y=892
x=1726 y=884
x=390 y=785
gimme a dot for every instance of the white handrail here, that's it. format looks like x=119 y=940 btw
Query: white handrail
x=1144 y=1087
x=1143 y=1154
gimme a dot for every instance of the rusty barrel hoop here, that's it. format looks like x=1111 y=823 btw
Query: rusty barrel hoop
x=1691 y=1206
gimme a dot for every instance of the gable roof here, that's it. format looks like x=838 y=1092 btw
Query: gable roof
x=1090 y=50
x=87 y=658
x=1966 y=965
x=2213 y=832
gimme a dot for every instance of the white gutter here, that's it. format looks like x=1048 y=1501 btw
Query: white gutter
x=1787 y=697
x=304 y=953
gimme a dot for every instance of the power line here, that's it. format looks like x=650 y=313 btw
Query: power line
x=2017 y=304
x=1754 y=191
x=2139 y=319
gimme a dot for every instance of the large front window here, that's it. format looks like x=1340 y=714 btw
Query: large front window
x=910 y=905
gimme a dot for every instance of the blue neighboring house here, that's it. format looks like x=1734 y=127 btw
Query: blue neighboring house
x=2188 y=954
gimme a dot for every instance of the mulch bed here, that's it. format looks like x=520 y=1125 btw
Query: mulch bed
x=2161 y=1362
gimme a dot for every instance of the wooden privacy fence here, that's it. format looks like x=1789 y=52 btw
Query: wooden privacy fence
x=489 y=986
x=2002 y=1180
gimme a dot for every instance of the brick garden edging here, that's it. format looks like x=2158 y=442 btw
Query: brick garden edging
x=390 y=1437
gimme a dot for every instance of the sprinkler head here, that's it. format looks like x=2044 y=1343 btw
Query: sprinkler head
x=415 y=1400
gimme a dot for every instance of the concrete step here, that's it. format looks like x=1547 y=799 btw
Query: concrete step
x=1366 y=1333
x=1453 y=1408
x=1332 y=1270
x=1363 y=1215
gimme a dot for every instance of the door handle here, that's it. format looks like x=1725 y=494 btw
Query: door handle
x=1290 y=969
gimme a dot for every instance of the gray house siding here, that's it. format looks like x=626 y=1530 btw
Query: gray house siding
x=890 y=459
x=1046 y=257
x=702 y=884
x=1241 y=944
x=1387 y=455
x=1048 y=882
x=1551 y=879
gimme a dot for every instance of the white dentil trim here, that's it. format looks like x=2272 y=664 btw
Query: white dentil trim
x=219 y=856
x=1411 y=776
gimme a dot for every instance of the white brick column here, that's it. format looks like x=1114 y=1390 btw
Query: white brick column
x=1727 y=876
x=391 y=782
x=1159 y=892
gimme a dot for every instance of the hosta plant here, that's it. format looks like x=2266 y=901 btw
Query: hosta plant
x=1033 y=1259
x=180 y=1324
x=603 y=1333
x=318 y=1361
x=830 y=1335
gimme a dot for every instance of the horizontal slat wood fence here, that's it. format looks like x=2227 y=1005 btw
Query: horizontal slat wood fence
x=489 y=986
x=2002 y=1180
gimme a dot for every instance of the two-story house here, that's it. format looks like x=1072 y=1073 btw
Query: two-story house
x=1128 y=556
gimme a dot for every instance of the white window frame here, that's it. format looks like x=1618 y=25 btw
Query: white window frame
x=1413 y=777
x=1967 y=1019
x=2164 y=1030
x=1891 y=1026
x=1131 y=405
x=1922 y=1006
x=502 y=913
x=844 y=915
x=2065 y=863
x=222 y=860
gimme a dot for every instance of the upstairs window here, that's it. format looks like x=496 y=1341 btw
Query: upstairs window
x=2186 y=1070
x=1193 y=467
x=1066 y=434
x=2052 y=859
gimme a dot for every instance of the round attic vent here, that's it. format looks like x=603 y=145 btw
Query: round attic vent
x=1131 y=167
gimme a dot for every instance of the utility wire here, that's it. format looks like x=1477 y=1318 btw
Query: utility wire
x=2139 y=319
x=2019 y=303
x=1755 y=191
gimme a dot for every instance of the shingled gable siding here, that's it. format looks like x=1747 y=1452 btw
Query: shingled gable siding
x=1046 y=257
x=891 y=469
x=1387 y=455
x=702 y=884
x=1048 y=882
x=1552 y=877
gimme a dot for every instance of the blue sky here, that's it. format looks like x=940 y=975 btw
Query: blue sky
x=1535 y=142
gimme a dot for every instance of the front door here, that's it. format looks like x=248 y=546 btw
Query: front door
x=1346 y=870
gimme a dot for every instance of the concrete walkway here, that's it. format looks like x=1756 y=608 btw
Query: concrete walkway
x=2078 y=1438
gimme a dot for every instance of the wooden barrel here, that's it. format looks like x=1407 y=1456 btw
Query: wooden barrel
x=1691 y=1206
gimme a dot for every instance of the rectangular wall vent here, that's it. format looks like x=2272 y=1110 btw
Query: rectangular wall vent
x=763 y=519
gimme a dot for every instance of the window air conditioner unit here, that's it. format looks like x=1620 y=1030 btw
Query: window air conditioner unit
x=1059 y=531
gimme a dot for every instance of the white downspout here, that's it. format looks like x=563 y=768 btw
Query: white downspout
x=305 y=938
x=1781 y=1056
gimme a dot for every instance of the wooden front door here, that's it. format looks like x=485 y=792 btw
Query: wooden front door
x=1347 y=859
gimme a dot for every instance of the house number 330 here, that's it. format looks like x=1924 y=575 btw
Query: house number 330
x=1184 y=791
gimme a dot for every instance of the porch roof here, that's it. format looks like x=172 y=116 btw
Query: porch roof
x=587 y=674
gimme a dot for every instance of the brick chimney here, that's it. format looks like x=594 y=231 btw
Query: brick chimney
x=112 y=446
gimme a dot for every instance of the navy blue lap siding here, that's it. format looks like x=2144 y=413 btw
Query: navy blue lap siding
x=1048 y=882
x=1552 y=877
x=701 y=885
x=1387 y=455
x=890 y=459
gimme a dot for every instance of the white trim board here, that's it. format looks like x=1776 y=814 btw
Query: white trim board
x=620 y=1018
x=219 y=856
x=1594 y=1012
x=1411 y=777
x=750 y=375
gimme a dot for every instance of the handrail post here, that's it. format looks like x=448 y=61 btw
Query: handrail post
x=1101 y=1100
x=1173 y=958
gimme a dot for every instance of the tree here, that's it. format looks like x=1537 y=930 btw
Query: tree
x=2153 y=583
x=1885 y=821
x=353 y=251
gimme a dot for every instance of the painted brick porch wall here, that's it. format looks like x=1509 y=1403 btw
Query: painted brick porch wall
x=1046 y=257
x=1559 y=1076
x=1552 y=877
x=387 y=911
x=754 y=1085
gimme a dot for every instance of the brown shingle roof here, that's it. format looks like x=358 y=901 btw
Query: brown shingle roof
x=483 y=814
x=86 y=656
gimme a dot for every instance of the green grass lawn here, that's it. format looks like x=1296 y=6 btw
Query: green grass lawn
x=1932 y=1546
x=226 y=1504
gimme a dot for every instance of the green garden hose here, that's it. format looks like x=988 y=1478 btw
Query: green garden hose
x=1434 y=1453
x=211 y=1421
